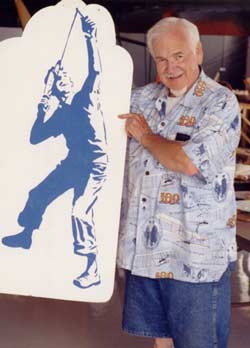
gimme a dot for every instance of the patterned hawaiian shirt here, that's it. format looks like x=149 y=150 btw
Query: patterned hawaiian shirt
x=174 y=225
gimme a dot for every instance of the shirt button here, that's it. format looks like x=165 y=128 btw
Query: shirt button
x=147 y=172
x=163 y=124
x=144 y=199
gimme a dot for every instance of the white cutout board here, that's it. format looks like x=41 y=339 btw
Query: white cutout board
x=62 y=150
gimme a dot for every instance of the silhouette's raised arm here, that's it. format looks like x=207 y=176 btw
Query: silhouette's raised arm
x=91 y=84
x=59 y=87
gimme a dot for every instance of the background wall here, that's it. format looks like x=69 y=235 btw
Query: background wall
x=6 y=33
x=229 y=52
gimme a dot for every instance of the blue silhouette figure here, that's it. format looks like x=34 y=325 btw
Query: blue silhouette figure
x=83 y=170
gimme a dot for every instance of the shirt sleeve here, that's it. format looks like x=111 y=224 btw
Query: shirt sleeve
x=135 y=98
x=216 y=136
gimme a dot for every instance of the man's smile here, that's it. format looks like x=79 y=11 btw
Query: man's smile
x=174 y=77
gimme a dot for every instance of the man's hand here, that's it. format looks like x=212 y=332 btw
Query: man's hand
x=136 y=126
x=169 y=153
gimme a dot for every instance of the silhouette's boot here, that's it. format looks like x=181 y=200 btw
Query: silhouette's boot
x=90 y=276
x=19 y=240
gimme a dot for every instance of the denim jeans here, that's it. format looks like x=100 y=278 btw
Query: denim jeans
x=195 y=315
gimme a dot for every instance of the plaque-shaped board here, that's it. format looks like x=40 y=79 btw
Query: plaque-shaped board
x=62 y=151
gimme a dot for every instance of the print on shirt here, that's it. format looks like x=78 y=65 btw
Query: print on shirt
x=221 y=183
x=161 y=105
x=152 y=234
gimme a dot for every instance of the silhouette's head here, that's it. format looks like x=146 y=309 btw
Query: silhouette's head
x=63 y=88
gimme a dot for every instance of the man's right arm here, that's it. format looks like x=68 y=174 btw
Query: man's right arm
x=169 y=153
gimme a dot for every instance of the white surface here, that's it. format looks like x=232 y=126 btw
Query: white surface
x=48 y=268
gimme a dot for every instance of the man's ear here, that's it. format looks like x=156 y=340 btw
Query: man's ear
x=199 y=53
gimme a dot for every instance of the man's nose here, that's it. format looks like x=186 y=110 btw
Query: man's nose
x=171 y=66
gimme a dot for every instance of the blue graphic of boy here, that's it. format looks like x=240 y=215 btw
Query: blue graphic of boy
x=83 y=169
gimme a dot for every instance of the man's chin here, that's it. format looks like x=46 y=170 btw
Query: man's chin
x=179 y=92
x=175 y=86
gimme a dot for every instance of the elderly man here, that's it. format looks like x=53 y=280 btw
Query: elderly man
x=177 y=238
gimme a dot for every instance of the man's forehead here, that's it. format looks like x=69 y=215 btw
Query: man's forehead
x=174 y=41
x=171 y=47
x=175 y=36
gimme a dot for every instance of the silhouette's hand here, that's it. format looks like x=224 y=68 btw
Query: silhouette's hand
x=50 y=79
x=89 y=26
x=43 y=106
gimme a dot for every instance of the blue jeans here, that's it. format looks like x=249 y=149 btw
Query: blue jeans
x=194 y=315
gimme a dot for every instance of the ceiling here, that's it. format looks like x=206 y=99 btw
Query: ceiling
x=139 y=15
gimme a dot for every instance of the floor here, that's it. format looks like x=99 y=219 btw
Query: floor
x=27 y=322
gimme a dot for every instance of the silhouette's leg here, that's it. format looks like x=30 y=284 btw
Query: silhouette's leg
x=83 y=226
x=19 y=240
x=90 y=276
x=39 y=199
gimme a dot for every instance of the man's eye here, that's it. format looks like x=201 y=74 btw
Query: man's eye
x=160 y=60
x=179 y=56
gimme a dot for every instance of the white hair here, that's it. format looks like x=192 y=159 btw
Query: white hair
x=166 y=25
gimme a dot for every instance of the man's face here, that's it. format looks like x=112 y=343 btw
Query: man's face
x=177 y=61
